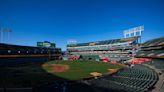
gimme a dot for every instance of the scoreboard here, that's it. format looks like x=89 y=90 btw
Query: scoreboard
x=46 y=44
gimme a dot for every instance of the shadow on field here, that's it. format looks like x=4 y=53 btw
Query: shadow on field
x=32 y=75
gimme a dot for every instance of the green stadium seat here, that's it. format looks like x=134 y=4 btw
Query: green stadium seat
x=136 y=79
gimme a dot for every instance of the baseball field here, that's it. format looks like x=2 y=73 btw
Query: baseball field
x=75 y=70
x=27 y=74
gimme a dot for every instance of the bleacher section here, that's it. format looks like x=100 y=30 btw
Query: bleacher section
x=151 y=53
x=106 y=42
x=17 y=52
x=116 y=48
x=88 y=55
x=15 y=49
x=158 y=64
x=138 y=78
x=152 y=48
x=115 y=44
x=154 y=42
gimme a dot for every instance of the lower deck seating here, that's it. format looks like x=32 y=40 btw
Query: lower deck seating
x=158 y=63
x=134 y=79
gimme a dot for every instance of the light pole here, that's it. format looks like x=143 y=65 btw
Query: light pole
x=1 y=32
x=8 y=33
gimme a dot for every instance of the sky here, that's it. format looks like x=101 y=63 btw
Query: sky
x=83 y=20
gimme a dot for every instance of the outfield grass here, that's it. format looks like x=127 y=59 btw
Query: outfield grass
x=81 y=69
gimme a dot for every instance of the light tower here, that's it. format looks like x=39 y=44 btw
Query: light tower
x=3 y=30
x=71 y=41
x=134 y=31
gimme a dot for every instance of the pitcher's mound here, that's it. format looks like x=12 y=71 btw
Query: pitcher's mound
x=58 y=68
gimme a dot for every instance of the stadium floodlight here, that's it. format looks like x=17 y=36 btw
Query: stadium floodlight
x=71 y=41
x=1 y=32
x=129 y=32
x=5 y=30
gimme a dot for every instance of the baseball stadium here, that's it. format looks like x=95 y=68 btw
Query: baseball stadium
x=114 y=65
x=81 y=46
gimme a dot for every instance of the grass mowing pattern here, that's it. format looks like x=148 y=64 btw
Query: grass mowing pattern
x=81 y=69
